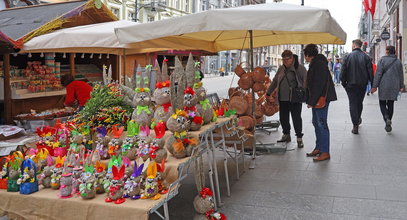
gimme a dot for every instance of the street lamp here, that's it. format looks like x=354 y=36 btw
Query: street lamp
x=153 y=10
x=227 y=62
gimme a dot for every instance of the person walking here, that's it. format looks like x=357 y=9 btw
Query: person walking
x=319 y=84
x=390 y=81
x=355 y=74
x=337 y=71
x=287 y=78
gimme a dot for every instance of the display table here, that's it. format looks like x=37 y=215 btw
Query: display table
x=45 y=204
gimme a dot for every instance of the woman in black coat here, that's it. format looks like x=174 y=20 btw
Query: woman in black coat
x=319 y=83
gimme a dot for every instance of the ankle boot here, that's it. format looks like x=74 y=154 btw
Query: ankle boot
x=300 y=144
x=285 y=138
x=388 y=127
x=355 y=129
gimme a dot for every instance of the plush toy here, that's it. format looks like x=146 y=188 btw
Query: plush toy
x=205 y=206
x=157 y=151
x=116 y=143
x=161 y=95
x=132 y=186
x=102 y=143
x=57 y=172
x=140 y=98
x=129 y=148
x=100 y=176
x=116 y=190
x=87 y=188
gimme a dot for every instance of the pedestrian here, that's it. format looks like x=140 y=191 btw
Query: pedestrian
x=77 y=92
x=355 y=75
x=319 y=85
x=337 y=71
x=287 y=78
x=390 y=81
x=330 y=66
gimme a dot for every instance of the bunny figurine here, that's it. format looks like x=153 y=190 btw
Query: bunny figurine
x=47 y=173
x=116 y=142
x=100 y=176
x=157 y=151
x=144 y=143
x=151 y=185
x=205 y=206
x=65 y=189
x=57 y=172
x=162 y=184
x=102 y=142
x=140 y=98
x=161 y=95
x=190 y=97
x=87 y=188
x=47 y=138
x=87 y=137
x=116 y=190
x=129 y=148
x=179 y=144
x=132 y=186
x=76 y=141
x=203 y=107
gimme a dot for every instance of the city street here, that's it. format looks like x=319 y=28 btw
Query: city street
x=365 y=178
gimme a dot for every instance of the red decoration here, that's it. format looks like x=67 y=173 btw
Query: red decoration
x=159 y=130
x=189 y=90
x=206 y=192
x=163 y=84
x=166 y=106
x=197 y=120
x=372 y=7
x=192 y=108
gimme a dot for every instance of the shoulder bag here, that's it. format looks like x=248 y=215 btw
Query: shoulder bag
x=297 y=94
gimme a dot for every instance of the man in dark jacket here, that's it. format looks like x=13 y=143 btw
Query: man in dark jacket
x=356 y=73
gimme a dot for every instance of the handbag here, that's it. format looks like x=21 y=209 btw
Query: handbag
x=297 y=94
x=322 y=100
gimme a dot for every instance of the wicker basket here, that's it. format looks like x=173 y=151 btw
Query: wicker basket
x=257 y=87
x=246 y=81
x=259 y=74
x=239 y=103
x=239 y=69
x=269 y=109
x=247 y=122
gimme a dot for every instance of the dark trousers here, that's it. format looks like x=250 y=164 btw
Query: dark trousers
x=387 y=108
x=286 y=108
x=356 y=94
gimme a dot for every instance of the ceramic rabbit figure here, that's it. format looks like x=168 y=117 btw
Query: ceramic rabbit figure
x=47 y=173
x=102 y=142
x=87 y=188
x=100 y=176
x=129 y=148
x=161 y=95
x=116 y=143
x=203 y=107
x=179 y=144
x=116 y=189
x=141 y=98
x=57 y=172
x=132 y=186
x=190 y=97
x=144 y=143
x=157 y=151
x=151 y=185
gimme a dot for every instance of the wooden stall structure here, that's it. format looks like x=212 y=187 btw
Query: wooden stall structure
x=24 y=23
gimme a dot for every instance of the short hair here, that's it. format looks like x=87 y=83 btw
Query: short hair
x=66 y=79
x=287 y=53
x=357 y=42
x=311 y=50
x=391 y=49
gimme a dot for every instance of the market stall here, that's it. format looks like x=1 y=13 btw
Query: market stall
x=44 y=93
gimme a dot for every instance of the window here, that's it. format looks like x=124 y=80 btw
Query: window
x=116 y=12
x=186 y=6
x=150 y=19
x=177 y=4
x=131 y=16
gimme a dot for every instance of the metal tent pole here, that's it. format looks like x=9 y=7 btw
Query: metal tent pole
x=253 y=162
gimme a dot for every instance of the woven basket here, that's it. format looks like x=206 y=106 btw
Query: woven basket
x=260 y=120
x=247 y=122
x=269 y=109
x=246 y=81
x=239 y=69
x=257 y=87
x=259 y=74
x=239 y=103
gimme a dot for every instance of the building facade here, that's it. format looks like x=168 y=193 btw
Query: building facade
x=388 y=26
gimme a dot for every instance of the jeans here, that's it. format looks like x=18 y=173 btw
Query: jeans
x=368 y=87
x=356 y=95
x=320 y=122
x=387 y=108
x=337 y=77
x=295 y=108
